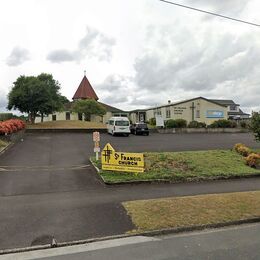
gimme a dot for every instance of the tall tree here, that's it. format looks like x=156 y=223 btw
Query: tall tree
x=55 y=100
x=35 y=95
x=88 y=107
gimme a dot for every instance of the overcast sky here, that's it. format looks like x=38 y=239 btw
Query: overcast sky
x=136 y=53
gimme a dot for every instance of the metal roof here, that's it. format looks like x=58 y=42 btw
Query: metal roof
x=85 y=90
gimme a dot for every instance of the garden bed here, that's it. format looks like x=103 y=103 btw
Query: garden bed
x=202 y=130
x=184 y=167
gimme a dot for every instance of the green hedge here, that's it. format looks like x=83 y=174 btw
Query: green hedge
x=196 y=124
x=223 y=123
x=176 y=123
x=5 y=116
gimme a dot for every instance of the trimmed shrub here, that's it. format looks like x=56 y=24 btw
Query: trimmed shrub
x=152 y=121
x=242 y=149
x=223 y=123
x=253 y=160
x=177 y=123
x=196 y=124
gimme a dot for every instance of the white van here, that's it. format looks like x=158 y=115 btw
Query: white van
x=118 y=125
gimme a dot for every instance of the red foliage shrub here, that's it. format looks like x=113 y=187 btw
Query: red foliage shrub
x=11 y=126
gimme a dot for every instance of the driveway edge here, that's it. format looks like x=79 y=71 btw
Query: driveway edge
x=145 y=233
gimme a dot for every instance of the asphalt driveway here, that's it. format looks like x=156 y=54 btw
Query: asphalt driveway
x=48 y=188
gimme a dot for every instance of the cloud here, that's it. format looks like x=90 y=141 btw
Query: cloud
x=116 y=89
x=193 y=64
x=62 y=56
x=228 y=7
x=18 y=56
x=94 y=44
x=3 y=101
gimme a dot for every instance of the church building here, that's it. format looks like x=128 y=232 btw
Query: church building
x=84 y=91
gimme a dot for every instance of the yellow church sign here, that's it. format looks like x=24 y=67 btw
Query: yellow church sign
x=120 y=161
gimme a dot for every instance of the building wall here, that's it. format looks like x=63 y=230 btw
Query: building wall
x=204 y=111
x=106 y=117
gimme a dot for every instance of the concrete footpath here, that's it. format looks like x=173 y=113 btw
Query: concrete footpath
x=237 y=242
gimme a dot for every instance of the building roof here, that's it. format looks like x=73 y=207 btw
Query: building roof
x=85 y=90
x=226 y=102
x=68 y=107
x=235 y=113
x=111 y=109
x=188 y=100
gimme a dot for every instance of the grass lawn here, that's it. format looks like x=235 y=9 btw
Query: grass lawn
x=3 y=144
x=71 y=124
x=193 y=210
x=185 y=166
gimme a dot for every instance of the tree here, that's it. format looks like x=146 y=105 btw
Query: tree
x=255 y=125
x=35 y=95
x=88 y=107
x=54 y=101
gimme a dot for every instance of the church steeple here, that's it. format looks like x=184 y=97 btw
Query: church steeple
x=85 y=90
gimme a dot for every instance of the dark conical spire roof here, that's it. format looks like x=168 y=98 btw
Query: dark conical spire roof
x=85 y=90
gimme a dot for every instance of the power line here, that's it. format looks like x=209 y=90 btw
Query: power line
x=211 y=13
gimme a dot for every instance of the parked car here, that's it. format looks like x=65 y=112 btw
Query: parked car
x=139 y=128
x=118 y=125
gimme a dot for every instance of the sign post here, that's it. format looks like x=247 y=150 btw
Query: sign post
x=121 y=161
x=96 y=139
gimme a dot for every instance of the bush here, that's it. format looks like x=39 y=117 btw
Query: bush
x=177 y=123
x=242 y=149
x=255 y=125
x=152 y=121
x=5 y=116
x=196 y=124
x=253 y=160
x=223 y=123
x=243 y=124
x=11 y=126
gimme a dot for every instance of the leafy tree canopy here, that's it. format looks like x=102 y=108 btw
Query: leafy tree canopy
x=255 y=125
x=36 y=95
x=88 y=107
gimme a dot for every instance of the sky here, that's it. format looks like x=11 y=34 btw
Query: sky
x=136 y=53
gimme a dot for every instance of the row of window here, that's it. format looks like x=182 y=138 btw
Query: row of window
x=168 y=113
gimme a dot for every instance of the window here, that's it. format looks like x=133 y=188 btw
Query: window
x=111 y=122
x=54 y=118
x=168 y=112
x=197 y=113
x=157 y=112
x=122 y=123
x=233 y=108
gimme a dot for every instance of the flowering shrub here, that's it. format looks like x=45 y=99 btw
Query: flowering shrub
x=253 y=160
x=11 y=126
x=242 y=149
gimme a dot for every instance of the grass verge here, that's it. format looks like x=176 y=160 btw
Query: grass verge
x=185 y=166
x=67 y=124
x=3 y=144
x=191 y=211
